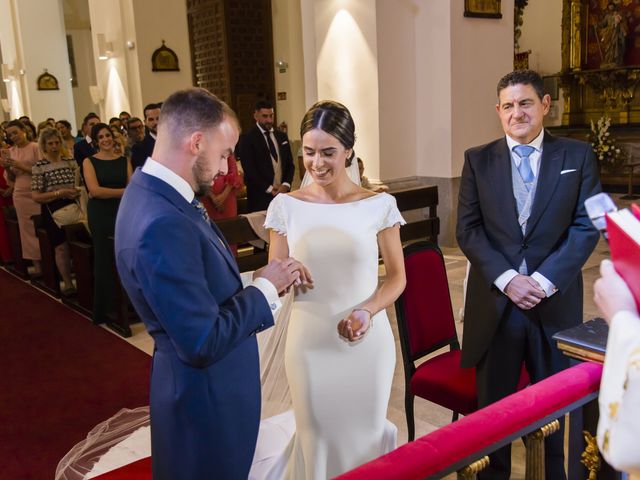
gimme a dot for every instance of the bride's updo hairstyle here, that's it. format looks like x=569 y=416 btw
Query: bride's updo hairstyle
x=333 y=118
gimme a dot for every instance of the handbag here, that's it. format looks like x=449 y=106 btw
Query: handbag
x=68 y=215
x=75 y=212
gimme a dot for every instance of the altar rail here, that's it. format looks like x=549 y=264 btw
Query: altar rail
x=461 y=443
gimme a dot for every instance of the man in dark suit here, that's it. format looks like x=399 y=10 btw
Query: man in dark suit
x=85 y=148
x=184 y=283
x=523 y=226
x=266 y=159
x=142 y=150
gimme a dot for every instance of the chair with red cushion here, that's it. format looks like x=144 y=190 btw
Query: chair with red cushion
x=426 y=324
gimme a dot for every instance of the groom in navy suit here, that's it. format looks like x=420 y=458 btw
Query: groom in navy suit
x=523 y=226
x=184 y=283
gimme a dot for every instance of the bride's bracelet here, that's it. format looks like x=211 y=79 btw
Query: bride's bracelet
x=365 y=310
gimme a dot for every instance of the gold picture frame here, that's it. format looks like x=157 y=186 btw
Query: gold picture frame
x=483 y=8
x=46 y=81
x=164 y=59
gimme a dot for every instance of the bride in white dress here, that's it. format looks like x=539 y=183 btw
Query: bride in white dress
x=340 y=351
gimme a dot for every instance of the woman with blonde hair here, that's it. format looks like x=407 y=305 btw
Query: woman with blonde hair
x=53 y=187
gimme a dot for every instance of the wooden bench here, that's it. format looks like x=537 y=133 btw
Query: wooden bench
x=19 y=267
x=49 y=281
x=81 y=252
x=412 y=203
x=237 y=230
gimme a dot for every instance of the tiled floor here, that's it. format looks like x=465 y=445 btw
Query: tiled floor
x=429 y=416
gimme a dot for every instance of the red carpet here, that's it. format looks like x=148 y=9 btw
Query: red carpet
x=60 y=376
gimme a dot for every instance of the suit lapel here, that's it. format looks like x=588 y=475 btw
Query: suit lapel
x=211 y=231
x=548 y=177
x=501 y=174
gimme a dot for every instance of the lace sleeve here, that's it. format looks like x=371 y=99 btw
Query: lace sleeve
x=277 y=215
x=390 y=214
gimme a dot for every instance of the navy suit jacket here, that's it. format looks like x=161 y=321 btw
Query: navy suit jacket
x=185 y=285
x=254 y=155
x=558 y=240
x=141 y=151
x=82 y=150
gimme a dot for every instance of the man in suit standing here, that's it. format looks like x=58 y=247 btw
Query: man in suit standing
x=184 y=283
x=266 y=159
x=85 y=148
x=523 y=226
x=143 y=150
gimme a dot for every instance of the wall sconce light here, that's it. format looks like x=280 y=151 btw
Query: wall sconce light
x=282 y=66
x=96 y=94
x=7 y=73
x=105 y=49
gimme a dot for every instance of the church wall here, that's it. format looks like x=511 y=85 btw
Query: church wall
x=542 y=34
x=85 y=74
x=11 y=58
x=396 y=29
x=40 y=28
x=344 y=51
x=287 y=46
x=157 y=20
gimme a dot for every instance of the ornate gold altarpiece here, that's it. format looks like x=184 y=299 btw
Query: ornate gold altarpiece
x=592 y=87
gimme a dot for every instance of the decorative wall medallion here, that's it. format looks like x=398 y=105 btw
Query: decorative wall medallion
x=164 y=60
x=46 y=81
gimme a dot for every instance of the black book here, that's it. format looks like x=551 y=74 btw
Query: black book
x=585 y=342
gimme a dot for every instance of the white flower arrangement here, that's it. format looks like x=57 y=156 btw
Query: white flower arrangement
x=609 y=155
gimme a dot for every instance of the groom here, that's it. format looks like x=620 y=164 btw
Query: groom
x=184 y=283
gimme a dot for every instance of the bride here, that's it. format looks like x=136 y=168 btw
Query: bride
x=340 y=351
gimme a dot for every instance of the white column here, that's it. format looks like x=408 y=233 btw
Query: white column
x=345 y=53
x=33 y=39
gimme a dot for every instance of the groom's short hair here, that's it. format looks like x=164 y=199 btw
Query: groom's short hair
x=191 y=110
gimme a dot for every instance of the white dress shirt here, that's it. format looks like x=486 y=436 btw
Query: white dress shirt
x=155 y=169
x=503 y=280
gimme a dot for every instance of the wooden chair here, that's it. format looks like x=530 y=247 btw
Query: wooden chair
x=50 y=279
x=81 y=251
x=19 y=267
x=426 y=324
x=422 y=199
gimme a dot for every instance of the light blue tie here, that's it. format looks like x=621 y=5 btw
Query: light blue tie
x=197 y=204
x=524 y=151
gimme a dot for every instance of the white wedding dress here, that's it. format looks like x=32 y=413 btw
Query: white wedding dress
x=339 y=390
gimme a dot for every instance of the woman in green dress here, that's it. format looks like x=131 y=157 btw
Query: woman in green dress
x=106 y=175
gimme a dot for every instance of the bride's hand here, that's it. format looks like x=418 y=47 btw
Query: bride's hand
x=355 y=325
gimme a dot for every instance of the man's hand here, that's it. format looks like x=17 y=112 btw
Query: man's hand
x=284 y=273
x=611 y=293
x=524 y=291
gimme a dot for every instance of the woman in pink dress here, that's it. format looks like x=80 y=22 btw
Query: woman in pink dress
x=18 y=161
x=6 y=192
x=221 y=201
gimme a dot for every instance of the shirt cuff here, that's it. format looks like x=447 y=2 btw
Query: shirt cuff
x=270 y=294
x=269 y=189
x=548 y=287
x=286 y=184
x=503 y=280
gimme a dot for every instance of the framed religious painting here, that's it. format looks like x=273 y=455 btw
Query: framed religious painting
x=46 y=81
x=164 y=60
x=482 y=8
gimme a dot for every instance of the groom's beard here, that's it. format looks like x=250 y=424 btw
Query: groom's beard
x=203 y=179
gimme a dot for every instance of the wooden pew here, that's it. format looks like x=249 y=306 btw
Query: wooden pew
x=419 y=198
x=238 y=230
x=50 y=279
x=81 y=251
x=19 y=265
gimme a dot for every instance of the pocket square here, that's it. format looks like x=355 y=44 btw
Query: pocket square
x=567 y=171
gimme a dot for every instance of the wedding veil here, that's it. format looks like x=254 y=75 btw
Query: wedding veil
x=352 y=172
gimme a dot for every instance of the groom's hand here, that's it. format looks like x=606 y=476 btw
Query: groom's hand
x=283 y=273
